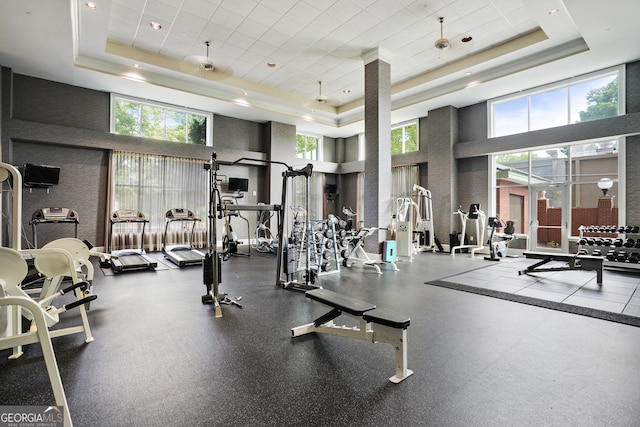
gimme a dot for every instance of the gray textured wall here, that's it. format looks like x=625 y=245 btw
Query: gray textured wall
x=82 y=187
x=44 y=101
x=473 y=122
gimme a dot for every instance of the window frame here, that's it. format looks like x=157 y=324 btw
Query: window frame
x=567 y=83
x=403 y=126
x=319 y=146
x=167 y=108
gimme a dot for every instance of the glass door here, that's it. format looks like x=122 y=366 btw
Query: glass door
x=549 y=218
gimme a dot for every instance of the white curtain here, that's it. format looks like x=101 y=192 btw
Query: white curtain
x=402 y=180
x=153 y=185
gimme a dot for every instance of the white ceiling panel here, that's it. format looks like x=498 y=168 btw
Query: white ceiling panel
x=312 y=40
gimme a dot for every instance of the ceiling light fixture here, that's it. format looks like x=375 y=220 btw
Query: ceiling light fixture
x=91 y=5
x=155 y=25
x=442 y=43
x=271 y=64
x=467 y=39
x=554 y=12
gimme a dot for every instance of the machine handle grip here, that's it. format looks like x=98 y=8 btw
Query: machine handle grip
x=80 y=302
x=83 y=285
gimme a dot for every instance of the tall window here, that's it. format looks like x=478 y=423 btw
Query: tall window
x=308 y=147
x=582 y=99
x=526 y=177
x=155 y=184
x=404 y=138
x=156 y=121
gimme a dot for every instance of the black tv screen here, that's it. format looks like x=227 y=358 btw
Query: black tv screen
x=239 y=184
x=40 y=175
x=331 y=188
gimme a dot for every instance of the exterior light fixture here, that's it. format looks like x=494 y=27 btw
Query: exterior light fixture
x=605 y=184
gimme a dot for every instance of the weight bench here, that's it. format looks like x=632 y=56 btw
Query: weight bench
x=575 y=262
x=376 y=325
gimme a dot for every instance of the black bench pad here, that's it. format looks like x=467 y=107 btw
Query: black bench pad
x=387 y=318
x=560 y=257
x=341 y=302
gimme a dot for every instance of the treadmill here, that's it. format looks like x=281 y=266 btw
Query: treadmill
x=185 y=254
x=129 y=259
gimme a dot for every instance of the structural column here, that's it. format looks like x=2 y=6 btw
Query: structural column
x=442 y=134
x=377 y=132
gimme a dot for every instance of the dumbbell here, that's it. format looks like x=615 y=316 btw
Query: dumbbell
x=635 y=229
x=634 y=258
x=607 y=242
x=582 y=241
x=618 y=243
x=596 y=252
x=598 y=241
x=590 y=241
x=622 y=256
x=583 y=252
x=611 y=255
x=629 y=243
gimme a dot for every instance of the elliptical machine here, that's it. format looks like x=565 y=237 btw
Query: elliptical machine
x=498 y=248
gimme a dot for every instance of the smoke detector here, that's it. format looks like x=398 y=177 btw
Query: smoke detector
x=442 y=43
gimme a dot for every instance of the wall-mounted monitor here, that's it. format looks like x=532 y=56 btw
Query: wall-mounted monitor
x=40 y=175
x=239 y=184
x=331 y=188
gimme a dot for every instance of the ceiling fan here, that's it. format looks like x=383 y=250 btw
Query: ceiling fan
x=442 y=43
x=207 y=65
x=203 y=66
x=320 y=99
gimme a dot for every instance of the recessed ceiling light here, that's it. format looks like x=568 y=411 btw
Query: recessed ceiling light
x=136 y=65
x=554 y=12
x=271 y=64
x=467 y=39
x=155 y=25
x=245 y=93
x=346 y=91
x=91 y=5
x=468 y=73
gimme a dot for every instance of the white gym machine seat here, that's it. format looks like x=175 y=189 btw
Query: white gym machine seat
x=54 y=264
x=13 y=269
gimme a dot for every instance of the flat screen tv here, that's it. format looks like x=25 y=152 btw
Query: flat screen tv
x=239 y=184
x=40 y=175
x=331 y=188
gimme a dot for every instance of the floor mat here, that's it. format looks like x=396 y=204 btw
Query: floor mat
x=554 y=305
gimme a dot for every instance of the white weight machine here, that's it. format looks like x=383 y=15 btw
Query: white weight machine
x=424 y=220
x=478 y=218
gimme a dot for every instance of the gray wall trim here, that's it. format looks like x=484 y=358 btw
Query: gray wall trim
x=613 y=127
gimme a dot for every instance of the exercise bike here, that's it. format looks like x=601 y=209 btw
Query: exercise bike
x=498 y=248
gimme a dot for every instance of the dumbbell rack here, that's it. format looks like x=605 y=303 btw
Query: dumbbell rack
x=324 y=247
x=621 y=251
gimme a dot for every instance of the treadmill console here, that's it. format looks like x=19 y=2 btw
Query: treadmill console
x=127 y=215
x=55 y=214
x=180 y=214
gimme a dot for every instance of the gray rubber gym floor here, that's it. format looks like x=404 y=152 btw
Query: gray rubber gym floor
x=161 y=358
